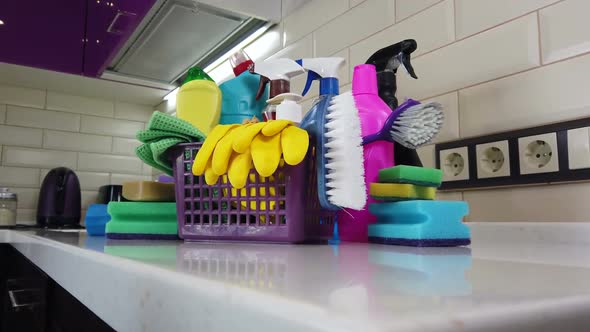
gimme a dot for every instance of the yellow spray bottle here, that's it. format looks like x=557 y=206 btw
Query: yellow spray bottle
x=199 y=100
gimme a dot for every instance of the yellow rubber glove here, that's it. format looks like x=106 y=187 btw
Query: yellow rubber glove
x=275 y=127
x=210 y=176
x=294 y=143
x=245 y=135
x=239 y=168
x=223 y=152
x=206 y=150
x=266 y=154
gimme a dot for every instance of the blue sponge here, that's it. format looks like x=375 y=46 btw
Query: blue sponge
x=420 y=223
x=96 y=219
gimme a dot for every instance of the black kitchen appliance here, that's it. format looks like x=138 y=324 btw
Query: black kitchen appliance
x=59 y=200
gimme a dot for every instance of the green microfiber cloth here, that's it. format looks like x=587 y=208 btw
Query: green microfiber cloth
x=163 y=132
x=421 y=176
x=137 y=219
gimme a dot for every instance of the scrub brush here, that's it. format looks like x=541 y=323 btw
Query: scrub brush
x=344 y=171
x=411 y=124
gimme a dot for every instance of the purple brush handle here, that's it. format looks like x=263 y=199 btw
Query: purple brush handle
x=383 y=134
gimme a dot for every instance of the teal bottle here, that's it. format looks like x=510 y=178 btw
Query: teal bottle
x=239 y=99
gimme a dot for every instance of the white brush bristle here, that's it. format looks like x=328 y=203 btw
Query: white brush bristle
x=345 y=172
x=418 y=125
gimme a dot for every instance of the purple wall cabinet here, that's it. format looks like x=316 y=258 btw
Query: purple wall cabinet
x=109 y=25
x=43 y=34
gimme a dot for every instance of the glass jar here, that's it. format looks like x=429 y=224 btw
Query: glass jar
x=8 y=202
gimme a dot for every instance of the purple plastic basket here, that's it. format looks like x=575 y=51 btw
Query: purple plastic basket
x=291 y=212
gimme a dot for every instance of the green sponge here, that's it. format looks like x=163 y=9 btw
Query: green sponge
x=421 y=176
x=134 y=220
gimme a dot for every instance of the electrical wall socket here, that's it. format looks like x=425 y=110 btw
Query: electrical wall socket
x=493 y=159
x=454 y=164
x=538 y=154
x=552 y=153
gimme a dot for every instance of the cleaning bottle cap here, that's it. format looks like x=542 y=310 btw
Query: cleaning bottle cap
x=364 y=80
x=325 y=70
x=240 y=62
x=279 y=72
x=289 y=107
x=196 y=73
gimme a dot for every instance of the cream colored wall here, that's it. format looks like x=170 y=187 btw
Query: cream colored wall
x=495 y=66
x=41 y=129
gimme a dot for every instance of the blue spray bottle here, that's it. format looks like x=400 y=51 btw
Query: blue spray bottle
x=334 y=126
x=238 y=100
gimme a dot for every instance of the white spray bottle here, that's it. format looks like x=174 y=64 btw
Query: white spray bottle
x=282 y=104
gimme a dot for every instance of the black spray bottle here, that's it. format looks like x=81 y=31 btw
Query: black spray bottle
x=386 y=61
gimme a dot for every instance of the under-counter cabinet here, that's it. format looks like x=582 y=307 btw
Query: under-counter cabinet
x=31 y=301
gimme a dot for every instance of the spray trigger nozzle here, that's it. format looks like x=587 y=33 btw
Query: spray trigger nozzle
x=404 y=58
x=261 y=86
x=311 y=76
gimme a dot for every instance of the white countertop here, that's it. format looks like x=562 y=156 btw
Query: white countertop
x=515 y=277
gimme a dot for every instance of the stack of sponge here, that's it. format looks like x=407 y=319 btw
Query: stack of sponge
x=407 y=213
x=149 y=214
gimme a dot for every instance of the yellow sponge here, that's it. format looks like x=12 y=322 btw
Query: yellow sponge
x=400 y=191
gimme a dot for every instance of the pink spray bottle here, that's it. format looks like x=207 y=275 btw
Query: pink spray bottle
x=373 y=112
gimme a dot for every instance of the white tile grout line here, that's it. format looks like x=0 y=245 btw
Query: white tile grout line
x=372 y=34
x=487 y=29
x=539 y=37
x=511 y=74
x=73 y=113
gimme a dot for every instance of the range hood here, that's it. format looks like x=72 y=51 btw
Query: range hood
x=178 y=34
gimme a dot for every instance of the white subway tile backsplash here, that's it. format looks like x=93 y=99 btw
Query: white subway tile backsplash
x=311 y=16
x=112 y=127
x=431 y=29
x=2 y=113
x=426 y=154
x=21 y=136
x=61 y=140
x=88 y=180
x=16 y=156
x=108 y=163
x=147 y=170
x=301 y=49
x=26 y=216
x=266 y=45
x=22 y=96
x=560 y=203
x=564 y=30
x=355 y=2
x=450 y=129
x=58 y=101
x=125 y=146
x=121 y=178
x=344 y=72
x=477 y=15
x=544 y=95
x=27 y=197
x=135 y=112
x=30 y=117
x=449 y=196
x=88 y=197
x=405 y=8
x=354 y=25
x=19 y=177
x=504 y=50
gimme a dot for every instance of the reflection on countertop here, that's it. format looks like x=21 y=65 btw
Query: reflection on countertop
x=388 y=286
